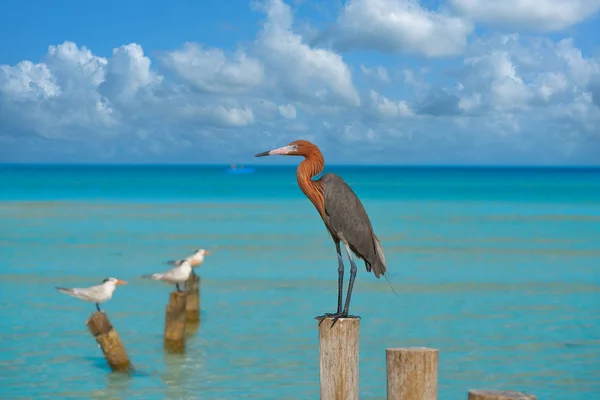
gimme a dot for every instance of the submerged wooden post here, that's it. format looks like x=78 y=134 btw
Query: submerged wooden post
x=412 y=373
x=192 y=288
x=476 y=394
x=109 y=341
x=175 y=322
x=338 y=358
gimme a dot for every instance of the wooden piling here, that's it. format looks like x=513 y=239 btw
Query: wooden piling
x=192 y=288
x=175 y=317
x=412 y=373
x=109 y=341
x=476 y=394
x=338 y=358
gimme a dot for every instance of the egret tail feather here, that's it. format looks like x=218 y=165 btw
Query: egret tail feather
x=379 y=266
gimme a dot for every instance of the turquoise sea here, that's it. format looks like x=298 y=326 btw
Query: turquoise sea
x=497 y=268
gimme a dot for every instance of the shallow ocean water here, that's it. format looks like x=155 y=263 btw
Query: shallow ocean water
x=498 y=270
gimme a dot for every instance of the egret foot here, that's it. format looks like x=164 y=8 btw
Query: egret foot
x=335 y=317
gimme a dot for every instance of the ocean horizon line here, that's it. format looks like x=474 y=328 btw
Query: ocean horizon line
x=295 y=165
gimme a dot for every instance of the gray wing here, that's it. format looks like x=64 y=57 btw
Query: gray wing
x=92 y=293
x=348 y=220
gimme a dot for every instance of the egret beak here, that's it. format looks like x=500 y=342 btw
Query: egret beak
x=281 y=151
x=120 y=282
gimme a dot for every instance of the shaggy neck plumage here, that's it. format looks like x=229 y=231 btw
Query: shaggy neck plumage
x=311 y=166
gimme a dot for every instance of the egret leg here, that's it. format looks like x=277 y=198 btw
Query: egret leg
x=353 y=271
x=340 y=283
x=340 y=277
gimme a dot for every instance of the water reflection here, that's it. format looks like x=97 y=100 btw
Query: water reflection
x=191 y=328
x=117 y=384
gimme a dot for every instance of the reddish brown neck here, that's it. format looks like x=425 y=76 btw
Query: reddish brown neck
x=312 y=165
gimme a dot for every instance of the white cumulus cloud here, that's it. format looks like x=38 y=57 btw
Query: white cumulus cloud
x=497 y=97
x=57 y=98
x=287 y=111
x=397 y=26
x=508 y=73
x=306 y=74
x=379 y=73
x=386 y=108
x=128 y=73
x=212 y=71
x=541 y=15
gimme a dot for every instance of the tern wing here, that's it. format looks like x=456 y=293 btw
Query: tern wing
x=92 y=293
x=155 y=276
x=171 y=274
x=175 y=263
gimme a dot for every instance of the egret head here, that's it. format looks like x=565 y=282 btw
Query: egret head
x=295 y=148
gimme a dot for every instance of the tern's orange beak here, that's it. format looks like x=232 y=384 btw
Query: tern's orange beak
x=206 y=252
x=120 y=282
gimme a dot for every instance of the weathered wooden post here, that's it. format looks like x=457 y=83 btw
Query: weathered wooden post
x=109 y=341
x=192 y=288
x=338 y=358
x=477 y=394
x=412 y=373
x=175 y=317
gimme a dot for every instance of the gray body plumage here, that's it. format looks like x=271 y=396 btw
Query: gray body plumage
x=348 y=222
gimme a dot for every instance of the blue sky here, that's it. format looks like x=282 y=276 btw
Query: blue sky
x=369 y=81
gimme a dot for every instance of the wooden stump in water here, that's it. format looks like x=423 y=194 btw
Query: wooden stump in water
x=499 y=395
x=412 y=373
x=192 y=288
x=338 y=358
x=109 y=341
x=175 y=317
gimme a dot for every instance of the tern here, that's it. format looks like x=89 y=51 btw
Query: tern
x=95 y=294
x=196 y=259
x=176 y=275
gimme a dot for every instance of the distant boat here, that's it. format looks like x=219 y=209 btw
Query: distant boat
x=233 y=169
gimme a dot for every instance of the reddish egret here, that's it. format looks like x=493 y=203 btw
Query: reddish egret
x=343 y=214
